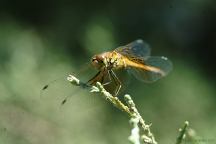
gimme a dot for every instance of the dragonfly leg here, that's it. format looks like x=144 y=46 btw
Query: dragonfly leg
x=117 y=82
x=93 y=80
x=99 y=77
x=110 y=80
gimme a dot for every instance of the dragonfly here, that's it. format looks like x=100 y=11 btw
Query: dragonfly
x=134 y=58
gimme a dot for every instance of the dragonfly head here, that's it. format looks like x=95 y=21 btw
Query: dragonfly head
x=98 y=61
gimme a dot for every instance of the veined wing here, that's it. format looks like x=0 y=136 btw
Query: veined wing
x=135 y=49
x=153 y=69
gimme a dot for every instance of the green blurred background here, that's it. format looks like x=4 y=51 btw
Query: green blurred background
x=43 y=40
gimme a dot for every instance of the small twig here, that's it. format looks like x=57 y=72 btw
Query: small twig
x=114 y=100
x=130 y=109
x=75 y=81
x=182 y=133
x=147 y=138
x=134 y=138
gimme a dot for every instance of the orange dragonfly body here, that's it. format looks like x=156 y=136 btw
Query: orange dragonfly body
x=135 y=58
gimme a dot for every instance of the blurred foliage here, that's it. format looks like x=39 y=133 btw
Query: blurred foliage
x=43 y=40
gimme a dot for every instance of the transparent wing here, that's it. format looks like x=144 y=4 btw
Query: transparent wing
x=60 y=89
x=136 y=48
x=155 y=68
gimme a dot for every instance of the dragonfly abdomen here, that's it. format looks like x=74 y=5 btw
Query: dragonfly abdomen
x=144 y=67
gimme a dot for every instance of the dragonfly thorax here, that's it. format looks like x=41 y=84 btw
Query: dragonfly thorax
x=109 y=60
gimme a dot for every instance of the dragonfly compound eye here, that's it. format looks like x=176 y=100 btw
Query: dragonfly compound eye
x=97 y=62
x=94 y=60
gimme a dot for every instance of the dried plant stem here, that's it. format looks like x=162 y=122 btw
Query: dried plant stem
x=135 y=118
